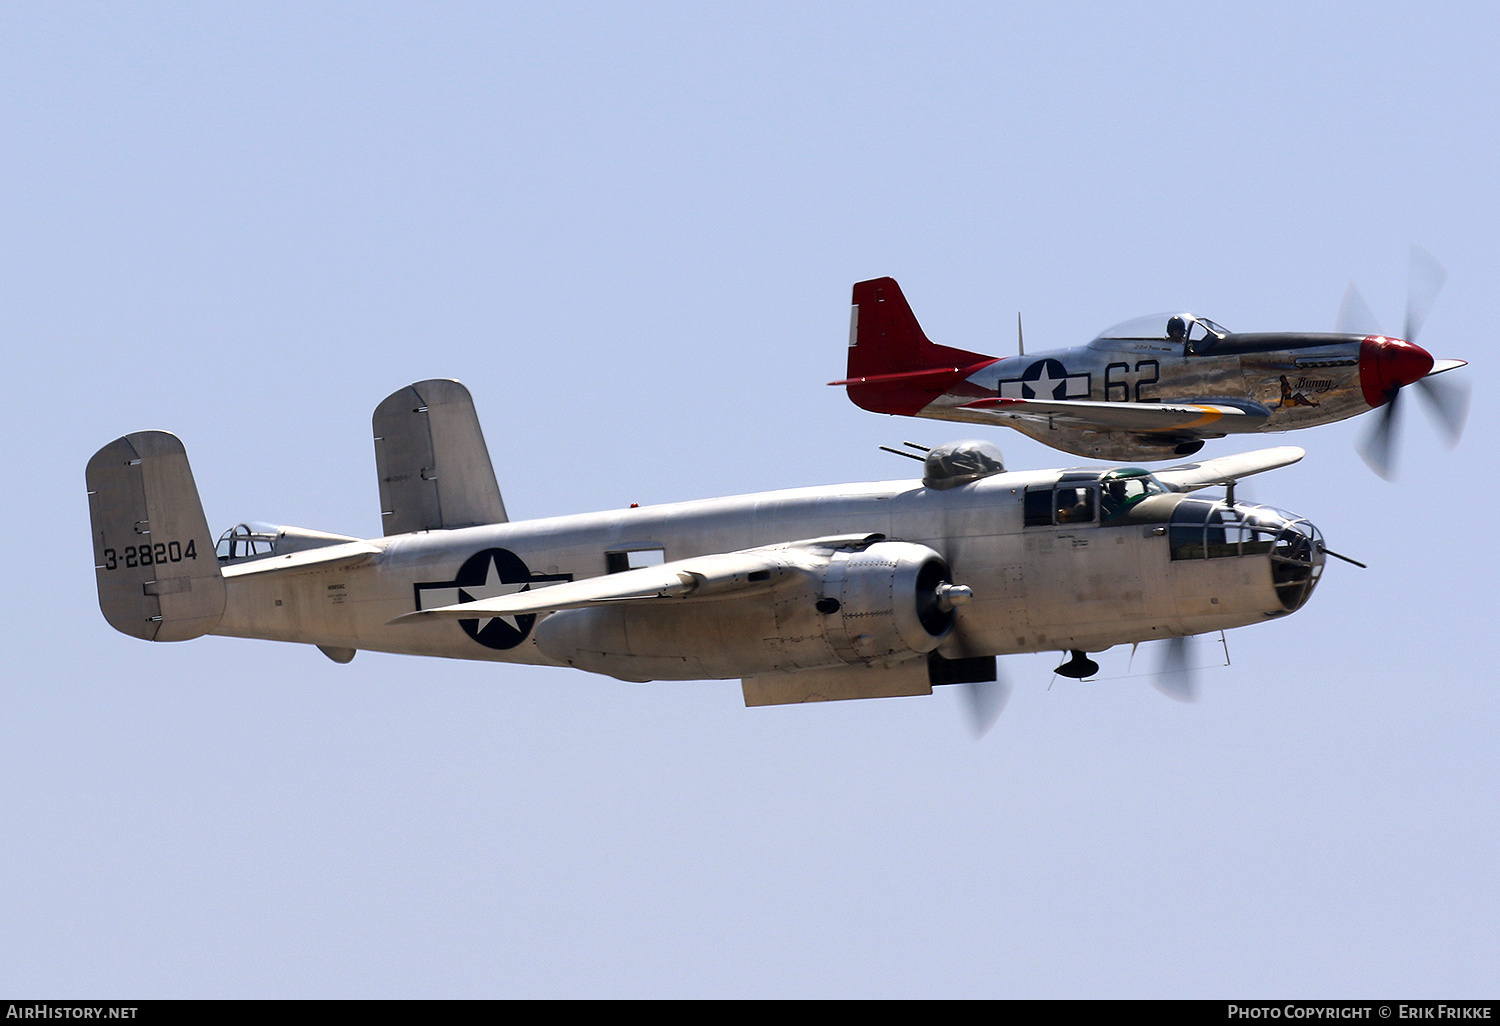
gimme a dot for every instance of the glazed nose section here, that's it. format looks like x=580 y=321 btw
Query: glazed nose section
x=1297 y=558
x=1388 y=364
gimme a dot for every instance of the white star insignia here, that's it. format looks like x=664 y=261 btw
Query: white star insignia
x=1045 y=386
x=492 y=587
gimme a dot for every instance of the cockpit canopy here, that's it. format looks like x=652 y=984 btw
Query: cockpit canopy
x=1200 y=333
x=1091 y=496
x=1124 y=487
x=256 y=540
x=247 y=541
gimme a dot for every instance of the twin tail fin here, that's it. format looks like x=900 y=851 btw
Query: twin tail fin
x=153 y=556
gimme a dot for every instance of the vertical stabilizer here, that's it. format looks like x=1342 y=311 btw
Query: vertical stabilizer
x=434 y=467
x=153 y=556
x=893 y=366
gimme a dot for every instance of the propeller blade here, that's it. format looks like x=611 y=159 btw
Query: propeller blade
x=1378 y=448
x=1425 y=281
x=1355 y=317
x=985 y=702
x=1176 y=678
x=1448 y=402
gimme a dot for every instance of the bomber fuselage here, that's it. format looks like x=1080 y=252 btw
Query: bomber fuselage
x=1053 y=564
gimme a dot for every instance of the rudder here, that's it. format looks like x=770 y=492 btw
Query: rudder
x=893 y=366
x=434 y=468
x=154 y=559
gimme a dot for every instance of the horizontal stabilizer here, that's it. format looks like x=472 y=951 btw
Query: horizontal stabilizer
x=1189 y=477
x=154 y=559
x=434 y=468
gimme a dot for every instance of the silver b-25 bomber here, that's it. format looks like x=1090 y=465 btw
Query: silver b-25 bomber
x=838 y=592
x=1156 y=387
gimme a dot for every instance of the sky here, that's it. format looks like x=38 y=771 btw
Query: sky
x=631 y=230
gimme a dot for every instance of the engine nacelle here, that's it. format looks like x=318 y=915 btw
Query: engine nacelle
x=885 y=603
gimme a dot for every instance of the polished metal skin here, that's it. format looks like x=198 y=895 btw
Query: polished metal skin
x=1151 y=389
x=845 y=591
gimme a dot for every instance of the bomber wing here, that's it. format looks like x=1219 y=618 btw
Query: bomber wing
x=1208 y=418
x=714 y=576
x=1189 y=477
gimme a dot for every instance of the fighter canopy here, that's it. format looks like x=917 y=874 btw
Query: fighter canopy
x=1169 y=328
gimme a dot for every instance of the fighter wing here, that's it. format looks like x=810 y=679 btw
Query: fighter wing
x=714 y=576
x=1189 y=477
x=1211 y=417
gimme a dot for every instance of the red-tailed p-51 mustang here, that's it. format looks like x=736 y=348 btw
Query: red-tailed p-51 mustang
x=1156 y=387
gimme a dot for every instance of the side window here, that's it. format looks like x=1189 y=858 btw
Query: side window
x=1075 y=505
x=1039 y=507
x=617 y=561
x=1066 y=504
x=1222 y=534
x=1189 y=521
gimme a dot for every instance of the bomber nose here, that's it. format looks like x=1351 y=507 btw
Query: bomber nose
x=1388 y=364
x=1297 y=558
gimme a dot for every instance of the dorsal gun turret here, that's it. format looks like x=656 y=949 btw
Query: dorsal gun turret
x=958 y=463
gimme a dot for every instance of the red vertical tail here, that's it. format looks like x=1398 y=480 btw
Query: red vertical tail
x=893 y=366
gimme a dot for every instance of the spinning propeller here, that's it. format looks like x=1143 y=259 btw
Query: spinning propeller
x=1387 y=365
x=984 y=704
x=1175 y=677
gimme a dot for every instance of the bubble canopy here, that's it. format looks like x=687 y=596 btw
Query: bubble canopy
x=1154 y=327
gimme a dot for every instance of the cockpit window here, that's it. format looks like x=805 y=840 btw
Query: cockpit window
x=1202 y=335
x=1074 y=505
x=1154 y=328
x=1064 y=504
x=1089 y=496
x=246 y=541
x=1125 y=487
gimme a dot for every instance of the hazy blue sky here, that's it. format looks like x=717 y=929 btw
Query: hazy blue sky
x=631 y=229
